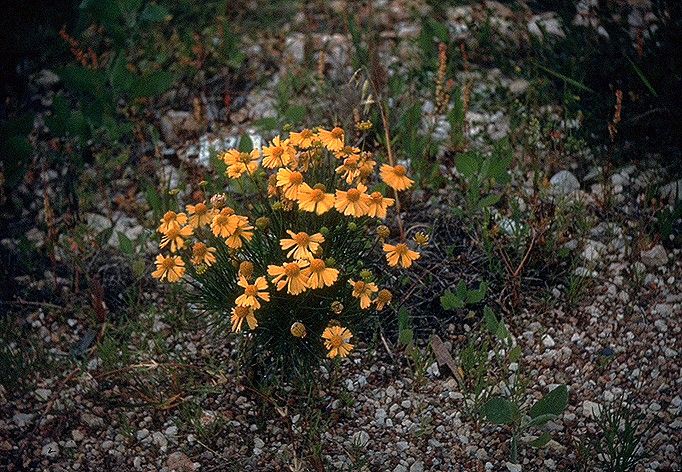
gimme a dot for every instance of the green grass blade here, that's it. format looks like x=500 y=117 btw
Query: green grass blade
x=565 y=78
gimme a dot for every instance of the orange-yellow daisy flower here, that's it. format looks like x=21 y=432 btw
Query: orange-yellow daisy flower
x=171 y=268
x=336 y=340
x=378 y=205
x=252 y=292
x=290 y=181
x=202 y=254
x=349 y=170
x=302 y=140
x=199 y=215
x=400 y=254
x=395 y=177
x=384 y=298
x=302 y=245
x=278 y=154
x=176 y=238
x=241 y=313
x=332 y=140
x=347 y=151
x=242 y=232
x=290 y=275
x=239 y=162
x=224 y=223
x=319 y=275
x=314 y=199
x=172 y=220
x=353 y=202
x=366 y=167
x=364 y=291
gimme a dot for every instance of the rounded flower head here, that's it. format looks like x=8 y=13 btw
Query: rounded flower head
x=290 y=275
x=224 y=223
x=336 y=340
x=347 y=151
x=171 y=268
x=353 y=202
x=278 y=154
x=290 y=182
x=199 y=215
x=400 y=254
x=202 y=254
x=332 y=140
x=395 y=177
x=298 y=329
x=302 y=245
x=384 y=298
x=176 y=237
x=241 y=313
x=246 y=269
x=319 y=275
x=302 y=140
x=314 y=199
x=363 y=291
x=252 y=292
x=242 y=232
x=378 y=205
x=239 y=162
x=172 y=220
x=350 y=169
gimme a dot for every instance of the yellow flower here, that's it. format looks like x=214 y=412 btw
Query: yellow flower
x=291 y=276
x=199 y=215
x=239 y=162
x=332 y=140
x=172 y=220
x=278 y=154
x=314 y=199
x=202 y=254
x=224 y=223
x=336 y=341
x=176 y=238
x=400 y=254
x=353 y=202
x=366 y=167
x=363 y=126
x=302 y=140
x=241 y=313
x=242 y=231
x=395 y=177
x=246 y=269
x=252 y=292
x=363 y=291
x=290 y=181
x=378 y=205
x=384 y=298
x=171 y=268
x=302 y=245
x=421 y=239
x=383 y=232
x=319 y=275
x=349 y=170
x=298 y=329
x=347 y=151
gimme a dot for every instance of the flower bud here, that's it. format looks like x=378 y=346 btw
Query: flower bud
x=298 y=329
x=337 y=307
x=383 y=232
x=263 y=223
x=246 y=269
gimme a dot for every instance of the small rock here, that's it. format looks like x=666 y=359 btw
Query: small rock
x=511 y=467
x=547 y=341
x=50 y=450
x=417 y=466
x=590 y=409
x=179 y=462
x=661 y=326
x=43 y=394
x=655 y=257
x=77 y=435
x=106 y=445
x=92 y=420
x=22 y=419
x=159 y=439
x=360 y=439
x=564 y=183
x=142 y=434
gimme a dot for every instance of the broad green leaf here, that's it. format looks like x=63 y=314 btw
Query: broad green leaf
x=476 y=296
x=450 y=301
x=541 y=441
x=125 y=244
x=540 y=420
x=245 y=143
x=495 y=327
x=406 y=337
x=467 y=164
x=152 y=85
x=499 y=410
x=555 y=402
x=489 y=200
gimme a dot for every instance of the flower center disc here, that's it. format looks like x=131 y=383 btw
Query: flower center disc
x=292 y=269
x=353 y=195
x=399 y=170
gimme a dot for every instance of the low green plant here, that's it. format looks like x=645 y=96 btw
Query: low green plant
x=463 y=296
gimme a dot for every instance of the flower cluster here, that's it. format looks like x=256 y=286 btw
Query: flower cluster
x=295 y=253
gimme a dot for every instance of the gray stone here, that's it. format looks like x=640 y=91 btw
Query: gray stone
x=564 y=183
x=50 y=450
x=655 y=257
x=22 y=419
x=417 y=466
